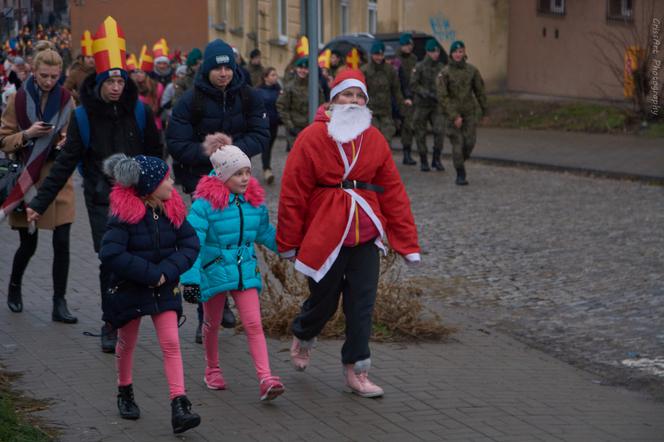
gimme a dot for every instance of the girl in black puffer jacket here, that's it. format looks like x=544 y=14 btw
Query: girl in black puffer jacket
x=147 y=246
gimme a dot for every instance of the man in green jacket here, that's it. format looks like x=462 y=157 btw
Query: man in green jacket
x=406 y=62
x=423 y=87
x=382 y=85
x=293 y=103
x=460 y=90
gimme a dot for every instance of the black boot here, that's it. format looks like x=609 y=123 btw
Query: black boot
x=61 y=312
x=109 y=337
x=407 y=158
x=126 y=406
x=182 y=418
x=228 y=318
x=424 y=163
x=435 y=162
x=461 y=176
x=14 y=298
x=199 y=333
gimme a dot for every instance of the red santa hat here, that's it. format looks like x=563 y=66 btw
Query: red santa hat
x=346 y=79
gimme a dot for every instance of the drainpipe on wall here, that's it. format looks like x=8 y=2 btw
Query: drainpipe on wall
x=312 y=30
x=256 y=23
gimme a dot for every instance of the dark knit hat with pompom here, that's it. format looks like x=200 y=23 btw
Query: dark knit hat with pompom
x=143 y=173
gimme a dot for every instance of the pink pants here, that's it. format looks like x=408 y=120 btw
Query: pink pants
x=166 y=325
x=250 y=314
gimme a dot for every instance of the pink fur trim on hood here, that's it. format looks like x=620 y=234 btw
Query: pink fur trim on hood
x=215 y=191
x=126 y=205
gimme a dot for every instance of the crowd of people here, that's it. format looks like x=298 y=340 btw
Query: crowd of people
x=117 y=118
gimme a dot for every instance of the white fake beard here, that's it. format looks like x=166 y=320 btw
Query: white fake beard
x=348 y=121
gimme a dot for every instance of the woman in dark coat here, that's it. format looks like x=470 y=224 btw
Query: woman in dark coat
x=270 y=89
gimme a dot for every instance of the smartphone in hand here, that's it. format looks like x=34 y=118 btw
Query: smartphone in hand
x=46 y=125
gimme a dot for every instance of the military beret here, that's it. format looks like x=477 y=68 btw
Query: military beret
x=378 y=47
x=432 y=45
x=456 y=45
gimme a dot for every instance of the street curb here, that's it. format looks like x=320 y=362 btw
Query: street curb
x=647 y=179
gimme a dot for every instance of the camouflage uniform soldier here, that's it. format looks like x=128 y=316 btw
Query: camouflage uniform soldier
x=406 y=63
x=423 y=86
x=255 y=67
x=336 y=62
x=382 y=85
x=293 y=103
x=460 y=88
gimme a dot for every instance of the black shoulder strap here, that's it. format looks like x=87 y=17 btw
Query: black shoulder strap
x=245 y=97
x=197 y=103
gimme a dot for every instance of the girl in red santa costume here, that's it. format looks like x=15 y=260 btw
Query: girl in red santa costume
x=341 y=195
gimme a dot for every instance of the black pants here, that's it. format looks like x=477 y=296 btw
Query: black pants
x=27 y=248
x=98 y=217
x=266 y=156
x=355 y=274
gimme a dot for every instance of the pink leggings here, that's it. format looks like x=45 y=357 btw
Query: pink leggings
x=166 y=324
x=250 y=314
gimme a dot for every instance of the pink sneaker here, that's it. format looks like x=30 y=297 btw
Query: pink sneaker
x=300 y=353
x=271 y=387
x=357 y=380
x=213 y=379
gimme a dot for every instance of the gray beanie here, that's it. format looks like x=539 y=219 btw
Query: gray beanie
x=228 y=160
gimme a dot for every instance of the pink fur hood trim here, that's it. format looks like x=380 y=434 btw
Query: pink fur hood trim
x=215 y=191
x=129 y=208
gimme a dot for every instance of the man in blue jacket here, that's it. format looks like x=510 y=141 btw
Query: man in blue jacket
x=221 y=109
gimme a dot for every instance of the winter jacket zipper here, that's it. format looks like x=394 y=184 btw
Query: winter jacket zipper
x=239 y=243
x=155 y=290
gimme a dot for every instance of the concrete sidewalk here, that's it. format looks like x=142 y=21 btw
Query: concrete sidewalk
x=618 y=156
x=481 y=386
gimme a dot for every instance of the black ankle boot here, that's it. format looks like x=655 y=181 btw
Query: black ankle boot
x=461 y=176
x=61 y=312
x=126 y=406
x=182 y=418
x=424 y=163
x=109 y=337
x=407 y=157
x=14 y=298
x=435 y=162
x=228 y=318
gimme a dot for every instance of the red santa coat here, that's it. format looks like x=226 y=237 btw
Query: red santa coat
x=313 y=220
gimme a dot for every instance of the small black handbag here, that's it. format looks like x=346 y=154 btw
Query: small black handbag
x=10 y=170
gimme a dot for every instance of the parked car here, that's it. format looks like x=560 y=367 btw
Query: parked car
x=364 y=41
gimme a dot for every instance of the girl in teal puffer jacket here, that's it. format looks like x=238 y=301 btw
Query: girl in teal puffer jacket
x=229 y=216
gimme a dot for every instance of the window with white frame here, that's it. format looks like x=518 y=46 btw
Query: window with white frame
x=620 y=10
x=552 y=7
x=282 y=20
x=344 y=17
x=373 y=16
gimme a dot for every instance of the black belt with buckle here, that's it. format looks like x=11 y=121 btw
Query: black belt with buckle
x=352 y=184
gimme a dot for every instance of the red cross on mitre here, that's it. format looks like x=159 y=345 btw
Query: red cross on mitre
x=109 y=46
